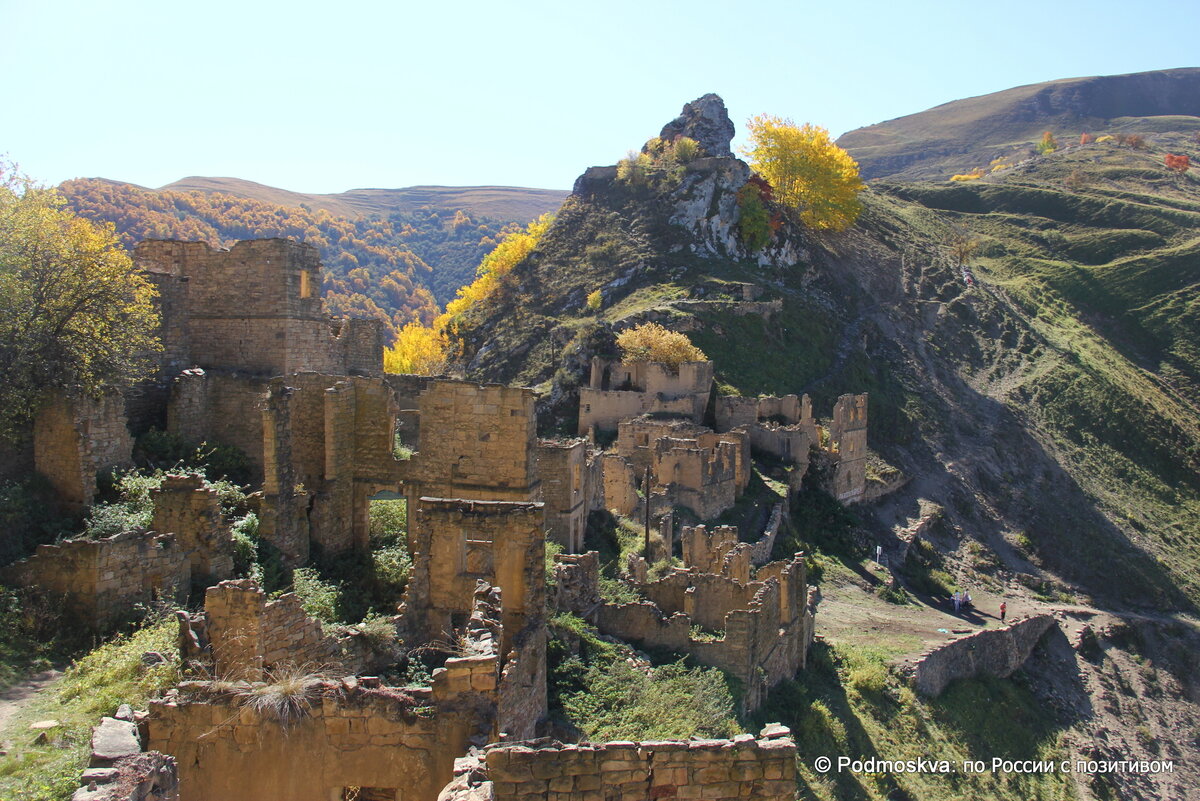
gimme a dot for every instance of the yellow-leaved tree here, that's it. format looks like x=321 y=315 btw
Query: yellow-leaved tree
x=427 y=350
x=806 y=170
x=650 y=342
x=419 y=350
x=74 y=311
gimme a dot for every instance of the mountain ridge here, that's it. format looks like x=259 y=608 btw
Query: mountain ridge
x=959 y=135
x=504 y=203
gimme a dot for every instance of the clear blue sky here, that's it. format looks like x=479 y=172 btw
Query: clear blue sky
x=338 y=95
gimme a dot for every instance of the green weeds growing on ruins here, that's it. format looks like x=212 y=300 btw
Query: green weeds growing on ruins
x=602 y=690
x=847 y=702
x=351 y=587
x=93 y=687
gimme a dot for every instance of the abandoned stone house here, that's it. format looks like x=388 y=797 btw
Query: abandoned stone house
x=658 y=415
x=306 y=398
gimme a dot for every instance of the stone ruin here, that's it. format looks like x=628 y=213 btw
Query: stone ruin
x=99 y=581
x=305 y=397
x=752 y=619
x=658 y=415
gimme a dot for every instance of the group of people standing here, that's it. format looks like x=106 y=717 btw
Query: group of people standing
x=962 y=600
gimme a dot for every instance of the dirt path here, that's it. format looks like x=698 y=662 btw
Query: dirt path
x=851 y=612
x=15 y=698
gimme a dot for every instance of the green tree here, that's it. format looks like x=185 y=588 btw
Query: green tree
x=74 y=312
x=806 y=170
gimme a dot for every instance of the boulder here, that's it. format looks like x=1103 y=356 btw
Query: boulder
x=705 y=120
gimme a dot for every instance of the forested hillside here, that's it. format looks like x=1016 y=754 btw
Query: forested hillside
x=382 y=267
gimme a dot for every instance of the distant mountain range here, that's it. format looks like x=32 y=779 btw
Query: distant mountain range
x=964 y=134
x=503 y=203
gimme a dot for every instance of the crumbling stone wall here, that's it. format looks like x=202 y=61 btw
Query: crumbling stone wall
x=119 y=768
x=219 y=408
x=76 y=437
x=397 y=741
x=183 y=506
x=250 y=637
x=327 y=444
x=577 y=583
x=989 y=652
x=762 y=768
x=620 y=482
x=255 y=308
x=848 y=440
x=618 y=390
x=99 y=581
x=636 y=437
x=706 y=474
x=562 y=470
x=482 y=445
x=455 y=543
x=758 y=631
x=719 y=553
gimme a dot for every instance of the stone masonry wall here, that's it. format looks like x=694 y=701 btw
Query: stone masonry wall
x=398 y=743
x=218 y=408
x=848 y=440
x=456 y=543
x=256 y=308
x=250 y=636
x=74 y=438
x=618 y=391
x=990 y=652
x=99 y=581
x=562 y=470
x=184 y=507
x=763 y=769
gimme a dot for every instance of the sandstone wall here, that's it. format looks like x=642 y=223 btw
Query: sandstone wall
x=251 y=637
x=848 y=440
x=989 y=652
x=455 y=544
x=184 y=507
x=392 y=741
x=74 y=438
x=219 y=408
x=618 y=391
x=763 y=769
x=99 y=581
x=562 y=471
x=255 y=308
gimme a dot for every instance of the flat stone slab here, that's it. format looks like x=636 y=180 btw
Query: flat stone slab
x=44 y=725
x=113 y=739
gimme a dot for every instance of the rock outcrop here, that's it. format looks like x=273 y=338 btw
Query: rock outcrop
x=705 y=120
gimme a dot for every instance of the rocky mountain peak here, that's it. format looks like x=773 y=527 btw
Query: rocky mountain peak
x=705 y=120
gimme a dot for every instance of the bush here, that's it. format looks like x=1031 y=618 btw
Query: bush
x=754 y=221
x=163 y=450
x=595 y=300
x=650 y=342
x=1048 y=144
x=387 y=521
x=107 y=519
x=628 y=702
x=320 y=598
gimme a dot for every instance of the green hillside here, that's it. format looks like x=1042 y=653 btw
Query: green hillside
x=960 y=135
x=1050 y=407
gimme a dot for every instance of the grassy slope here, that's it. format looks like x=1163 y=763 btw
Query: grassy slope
x=847 y=703
x=1107 y=277
x=957 y=136
x=93 y=687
